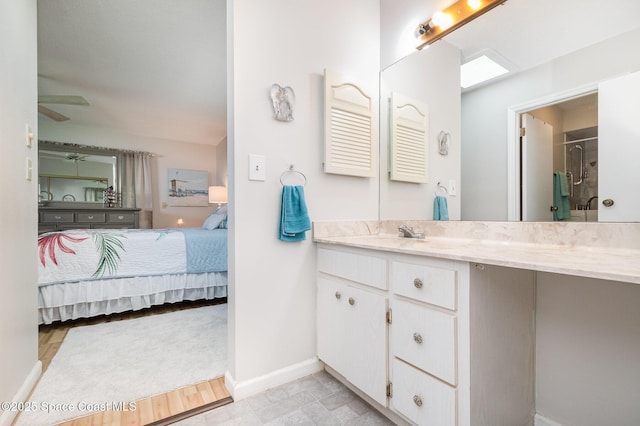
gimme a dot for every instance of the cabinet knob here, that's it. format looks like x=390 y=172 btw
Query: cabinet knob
x=417 y=337
x=338 y=295
x=352 y=301
x=417 y=400
x=608 y=202
x=417 y=283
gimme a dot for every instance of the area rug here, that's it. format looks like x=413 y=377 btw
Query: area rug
x=123 y=361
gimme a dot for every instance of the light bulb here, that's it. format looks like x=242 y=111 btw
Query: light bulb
x=474 y=4
x=442 y=20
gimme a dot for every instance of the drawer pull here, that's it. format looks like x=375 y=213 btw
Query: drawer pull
x=352 y=301
x=338 y=295
x=58 y=217
x=90 y=217
x=417 y=337
x=417 y=283
x=417 y=400
x=120 y=217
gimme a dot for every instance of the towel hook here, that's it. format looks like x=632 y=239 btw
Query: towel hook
x=291 y=170
x=441 y=187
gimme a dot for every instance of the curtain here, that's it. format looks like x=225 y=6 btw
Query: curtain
x=136 y=185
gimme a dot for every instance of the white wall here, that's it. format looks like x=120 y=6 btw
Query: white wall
x=424 y=75
x=169 y=154
x=587 y=351
x=484 y=116
x=19 y=365
x=272 y=283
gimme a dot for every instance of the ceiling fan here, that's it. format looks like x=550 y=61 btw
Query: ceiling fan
x=61 y=100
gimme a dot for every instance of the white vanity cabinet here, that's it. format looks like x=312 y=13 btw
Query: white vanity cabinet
x=452 y=341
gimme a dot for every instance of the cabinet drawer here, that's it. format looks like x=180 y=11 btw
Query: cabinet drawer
x=66 y=217
x=421 y=398
x=91 y=217
x=425 y=283
x=360 y=268
x=114 y=217
x=425 y=338
x=74 y=226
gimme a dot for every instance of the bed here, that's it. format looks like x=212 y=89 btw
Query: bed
x=90 y=272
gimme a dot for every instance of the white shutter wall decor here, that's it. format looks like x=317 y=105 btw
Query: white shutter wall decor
x=409 y=147
x=349 y=133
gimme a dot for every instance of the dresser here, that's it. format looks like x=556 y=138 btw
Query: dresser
x=433 y=341
x=59 y=219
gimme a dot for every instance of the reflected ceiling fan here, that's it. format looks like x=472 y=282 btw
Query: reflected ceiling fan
x=71 y=156
x=60 y=100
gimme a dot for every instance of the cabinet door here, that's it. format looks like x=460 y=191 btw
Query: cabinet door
x=352 y=335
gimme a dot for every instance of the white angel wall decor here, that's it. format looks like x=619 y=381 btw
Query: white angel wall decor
x=283 y=100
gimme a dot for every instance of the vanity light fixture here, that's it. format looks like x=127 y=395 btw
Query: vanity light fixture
x=453 y=17
x=217 y=194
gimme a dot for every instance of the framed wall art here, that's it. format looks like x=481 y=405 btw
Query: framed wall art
x=188 y=188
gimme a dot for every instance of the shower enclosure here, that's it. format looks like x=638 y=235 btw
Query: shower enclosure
x=581 y=166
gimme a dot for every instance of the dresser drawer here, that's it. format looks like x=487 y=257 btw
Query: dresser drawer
x=425 y=338
x=422 y=398
x=116 y=217
x=425 y=283
x=369 y=270
x=91 y=217
x=65 y=217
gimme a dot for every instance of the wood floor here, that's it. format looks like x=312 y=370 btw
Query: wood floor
x=158 y=410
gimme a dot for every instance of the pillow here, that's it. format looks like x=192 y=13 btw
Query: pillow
x=213 y=221
x=220 y=210
x=217 y=219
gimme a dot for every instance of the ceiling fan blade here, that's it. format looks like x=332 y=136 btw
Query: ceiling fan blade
x=62 y=99
x=52 y=114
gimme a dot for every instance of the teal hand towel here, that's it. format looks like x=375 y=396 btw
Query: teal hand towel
x=294 y=216
x=440 y=209
x=561 y=196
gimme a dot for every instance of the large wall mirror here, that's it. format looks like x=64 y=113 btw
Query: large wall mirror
x=561 y=74
x=74 y=174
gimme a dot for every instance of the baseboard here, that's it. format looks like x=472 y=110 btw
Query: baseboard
x=539 y=420
x=247 y=388
x=7 y=417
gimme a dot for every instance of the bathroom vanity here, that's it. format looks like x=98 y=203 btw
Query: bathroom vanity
x=442 y=330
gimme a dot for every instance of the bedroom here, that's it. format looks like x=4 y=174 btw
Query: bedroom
x=289 y=296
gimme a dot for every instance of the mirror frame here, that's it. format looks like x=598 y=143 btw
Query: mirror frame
x=83 y=149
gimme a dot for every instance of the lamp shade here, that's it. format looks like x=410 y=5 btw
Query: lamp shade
x=217 y=194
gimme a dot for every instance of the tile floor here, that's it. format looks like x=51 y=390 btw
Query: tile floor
x=318 y=399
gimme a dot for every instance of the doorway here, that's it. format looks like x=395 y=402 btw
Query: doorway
x=559 y=161
x=532 y=164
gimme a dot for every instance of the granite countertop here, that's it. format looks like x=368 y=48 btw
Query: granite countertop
x=603 y=251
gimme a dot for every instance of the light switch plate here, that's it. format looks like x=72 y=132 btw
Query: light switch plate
x=28 y=169
x=257 y=167
x=29 y=136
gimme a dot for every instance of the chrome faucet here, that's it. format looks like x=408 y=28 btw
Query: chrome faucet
x=408 y=232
